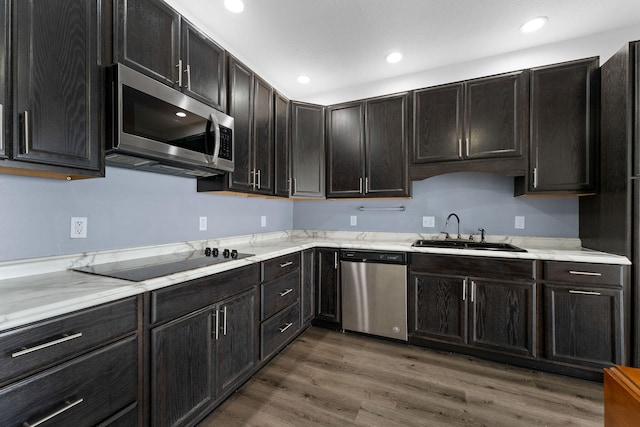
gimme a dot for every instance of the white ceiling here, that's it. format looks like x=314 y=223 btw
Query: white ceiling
x=341 y=44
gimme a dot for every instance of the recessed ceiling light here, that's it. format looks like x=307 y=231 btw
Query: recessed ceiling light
x=394 y=57
x=304 y=79
x=235 y=6
x=181 y=114
x=534 y=24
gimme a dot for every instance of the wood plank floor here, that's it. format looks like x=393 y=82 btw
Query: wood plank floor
x=326 y=378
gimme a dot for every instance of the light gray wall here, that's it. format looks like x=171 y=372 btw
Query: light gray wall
x=480 y=200
x=125 y=209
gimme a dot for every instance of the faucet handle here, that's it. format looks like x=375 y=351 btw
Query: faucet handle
x=482 y=231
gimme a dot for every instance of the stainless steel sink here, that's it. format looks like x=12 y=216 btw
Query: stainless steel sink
x=462 y=244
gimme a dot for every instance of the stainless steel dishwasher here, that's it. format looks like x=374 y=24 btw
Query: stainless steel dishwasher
x=374 y=293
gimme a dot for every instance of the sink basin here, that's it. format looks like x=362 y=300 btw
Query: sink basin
x=461 y=244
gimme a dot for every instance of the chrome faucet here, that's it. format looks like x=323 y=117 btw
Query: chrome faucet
x=447 y=223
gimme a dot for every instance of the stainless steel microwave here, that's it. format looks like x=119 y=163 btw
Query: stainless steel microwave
x=156 y=128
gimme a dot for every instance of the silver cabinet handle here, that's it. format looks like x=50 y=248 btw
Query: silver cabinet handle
x=289 y=186
x=467 y=146
x=27 y=136
x=286 y=264
x=259 y=179
x=335 y=260
x=188 y=70
x=366 y=185
x=68 y=405
x=288 y=291
x=64 y=338
x=224 y=325
x=473 y=290
x=360 y=186
x=535 y=177
x=464 y=289
x=179 y=67
x=287 y=326
x=573 y=291
x=217 y=325
x=252 y=172
x=584 y=273
x=295 y=186
x=460 y=148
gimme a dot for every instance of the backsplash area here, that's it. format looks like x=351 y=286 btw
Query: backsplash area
x=480 y=200
x=131 y=209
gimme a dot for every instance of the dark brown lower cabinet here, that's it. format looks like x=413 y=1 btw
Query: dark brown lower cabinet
x=328 y=306
x=484 y=313
x=307 y=287
x=199 y=357
x=584 y=325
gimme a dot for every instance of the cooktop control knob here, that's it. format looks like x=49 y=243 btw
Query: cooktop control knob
x=234 y=254
x=226 y=253
x=207 y=251
x=215 y=252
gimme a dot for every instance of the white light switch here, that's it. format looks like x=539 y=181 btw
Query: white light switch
x=263 y=221
x=354 y=220
x=429 y=221
x=203 y=223
x=519 y=223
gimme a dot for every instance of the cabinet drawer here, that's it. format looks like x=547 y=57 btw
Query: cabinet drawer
x=175 y=301
x=81 y=392
x=280 y=293
x=276 y=331
x=486 y=267
x=26 y=349
x=280 y=266
x=583 y=273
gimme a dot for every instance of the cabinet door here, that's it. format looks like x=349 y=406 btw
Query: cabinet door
x=241 y=109
x=307 y=150
x=635 y=99
x=57 y=80
x=183 y=364
x=4 y=48
x=281 y=141
x=345 y=150
x=564 y=101
x=439 y=308
x=148 y=33
x=237 y=339
x=495 y=108
x=263 y=137
x=387 y=128
x=328 y=306
x=502 y=316
x=438 y=114
x=202 y=67
x=307 y=287
x=583 y=324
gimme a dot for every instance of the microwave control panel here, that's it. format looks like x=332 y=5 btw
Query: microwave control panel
x=226 y=147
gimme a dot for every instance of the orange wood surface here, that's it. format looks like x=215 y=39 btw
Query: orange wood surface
x=621 y=397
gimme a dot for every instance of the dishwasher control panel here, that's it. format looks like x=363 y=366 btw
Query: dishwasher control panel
x=374 y=256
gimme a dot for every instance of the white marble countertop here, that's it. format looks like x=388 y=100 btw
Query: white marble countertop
x=38 y=289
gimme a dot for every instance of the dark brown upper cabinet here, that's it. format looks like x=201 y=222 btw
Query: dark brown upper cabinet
x=56 y=112
x=307 y=150
x=282 y=117
x=154 y=39
x=564 y=127
x=5 y=133
x=367 y=148
x=251 y=105
x=476 y=125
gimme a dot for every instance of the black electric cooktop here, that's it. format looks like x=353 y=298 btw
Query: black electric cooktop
x=141 y=269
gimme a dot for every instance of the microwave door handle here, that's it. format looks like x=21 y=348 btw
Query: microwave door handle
x=216 y=133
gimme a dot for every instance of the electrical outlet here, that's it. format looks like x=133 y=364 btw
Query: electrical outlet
x=78 y=227
x=354 y=220
x=519 y=223
x=429 y=221
x=263 y=221
x=203 y=223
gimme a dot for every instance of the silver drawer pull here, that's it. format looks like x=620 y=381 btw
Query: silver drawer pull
x=286 y=264
x=584 y=273
x=288 y=291
x=572 y=291
x=288 y=325
x=68 y=405
x=64 y=338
